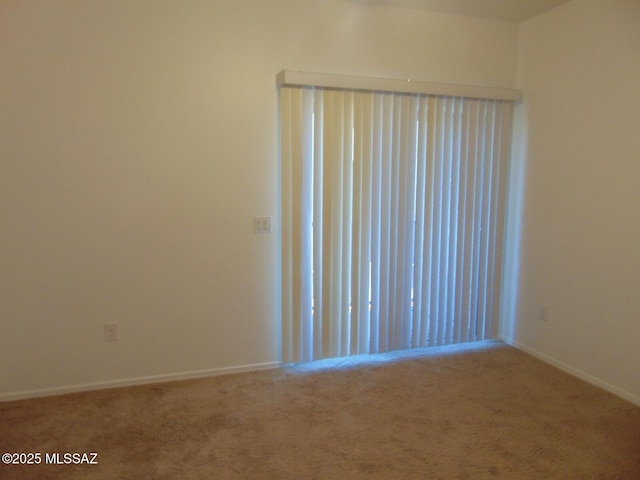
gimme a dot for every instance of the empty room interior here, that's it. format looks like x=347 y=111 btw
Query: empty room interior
x=166 y=254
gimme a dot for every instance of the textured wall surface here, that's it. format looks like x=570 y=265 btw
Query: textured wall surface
x=137 y=142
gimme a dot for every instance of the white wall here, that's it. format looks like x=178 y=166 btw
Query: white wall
x=137 y=141
x=577 y=157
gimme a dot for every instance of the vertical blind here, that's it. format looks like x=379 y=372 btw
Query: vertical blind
x=392 y=219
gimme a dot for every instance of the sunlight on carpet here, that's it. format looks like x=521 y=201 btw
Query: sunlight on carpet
x=355 y=361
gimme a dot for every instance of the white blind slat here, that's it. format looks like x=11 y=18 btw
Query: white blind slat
x=419 y=245
x=286 y=130
x=462 y=209
x=376 y=219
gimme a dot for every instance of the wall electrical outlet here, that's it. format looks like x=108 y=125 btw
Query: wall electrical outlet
x=544 y=313
x=110 y=332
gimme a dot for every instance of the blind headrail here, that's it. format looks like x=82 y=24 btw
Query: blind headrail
x=292 y=78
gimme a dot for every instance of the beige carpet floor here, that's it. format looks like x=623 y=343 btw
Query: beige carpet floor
x=481 y=414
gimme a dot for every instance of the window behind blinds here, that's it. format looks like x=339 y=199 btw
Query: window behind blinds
x=392 y=219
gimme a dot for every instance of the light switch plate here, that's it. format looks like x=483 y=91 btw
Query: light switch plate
x=262 y=225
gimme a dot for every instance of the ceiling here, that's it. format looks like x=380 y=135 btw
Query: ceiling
x=506 y=10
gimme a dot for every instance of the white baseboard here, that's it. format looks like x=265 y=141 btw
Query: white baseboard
x=575 y=372
x=47 y=392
